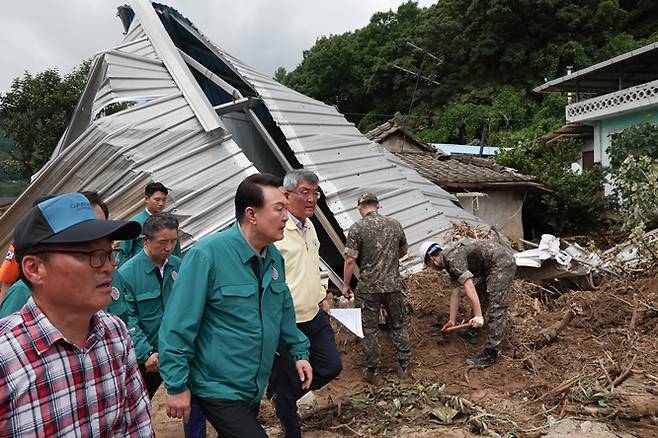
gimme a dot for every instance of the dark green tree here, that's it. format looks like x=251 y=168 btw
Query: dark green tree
x=34 y=114
x=280 y=74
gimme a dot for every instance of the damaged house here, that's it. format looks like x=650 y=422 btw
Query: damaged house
x=167 y=104
x=489 y=191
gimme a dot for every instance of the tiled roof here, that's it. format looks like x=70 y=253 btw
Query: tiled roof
x=393 y=126
x=465 y=171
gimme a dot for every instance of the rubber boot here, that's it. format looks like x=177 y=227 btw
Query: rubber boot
x=486 y=359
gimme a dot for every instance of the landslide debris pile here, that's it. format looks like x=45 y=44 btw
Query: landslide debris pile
x=584 y=354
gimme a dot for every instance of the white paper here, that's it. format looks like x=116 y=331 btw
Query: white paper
x=350 y=318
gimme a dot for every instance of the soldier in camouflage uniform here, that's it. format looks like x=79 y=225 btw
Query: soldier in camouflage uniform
x=492 y=265
x=377 y=242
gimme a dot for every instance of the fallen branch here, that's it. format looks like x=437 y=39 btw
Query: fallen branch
x=637 y=314
x=565 y=386
x=550 y=334
x=624 y=375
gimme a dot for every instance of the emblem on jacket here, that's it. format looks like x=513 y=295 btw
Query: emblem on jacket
x=173 y=275
x=115 y=293
x=275 y=273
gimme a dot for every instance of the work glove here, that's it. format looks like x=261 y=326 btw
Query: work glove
x=476 y=321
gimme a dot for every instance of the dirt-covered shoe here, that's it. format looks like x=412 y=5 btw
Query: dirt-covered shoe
x=404 y=374
x=371 y=376
x=486 y=359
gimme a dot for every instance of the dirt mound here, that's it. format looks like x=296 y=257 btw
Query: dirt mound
x=601 y=363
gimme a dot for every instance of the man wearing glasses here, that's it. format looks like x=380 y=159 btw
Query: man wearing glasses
x=300 y=250
x=65 y=366
x=19 y=292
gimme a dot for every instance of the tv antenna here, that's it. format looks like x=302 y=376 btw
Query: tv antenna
x=428 y=78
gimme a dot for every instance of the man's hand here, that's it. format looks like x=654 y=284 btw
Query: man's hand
x=151 y=364
x=447 y=325
x=305 y=373
x=326 y=304
x=347 y=291
x=178 y=405
x=476 y=321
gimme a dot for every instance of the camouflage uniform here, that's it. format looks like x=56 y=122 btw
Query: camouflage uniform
x=493 y=265
x=375 y=242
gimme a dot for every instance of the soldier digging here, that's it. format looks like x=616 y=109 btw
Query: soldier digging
x=492 y=265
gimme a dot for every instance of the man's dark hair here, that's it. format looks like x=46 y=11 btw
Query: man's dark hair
x=155 y=187
x=250 y=192
x=157 y=222
x=95 y=199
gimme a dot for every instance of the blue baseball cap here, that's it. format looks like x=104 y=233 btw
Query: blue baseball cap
x=67 y=218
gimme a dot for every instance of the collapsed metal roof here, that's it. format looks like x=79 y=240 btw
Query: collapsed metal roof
x=166 y=104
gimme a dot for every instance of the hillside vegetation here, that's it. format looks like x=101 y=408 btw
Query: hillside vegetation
x=480 y=60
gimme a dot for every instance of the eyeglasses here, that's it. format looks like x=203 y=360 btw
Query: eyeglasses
x=309 y=195
x=97 y=257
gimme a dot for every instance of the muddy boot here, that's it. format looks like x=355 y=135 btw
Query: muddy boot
x=486 y=359
x=470 y=335
x=404 y=374
x=371 y=376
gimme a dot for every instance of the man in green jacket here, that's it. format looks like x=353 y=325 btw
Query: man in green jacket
x=155 y=200
x=147 y=280
x=227 y=311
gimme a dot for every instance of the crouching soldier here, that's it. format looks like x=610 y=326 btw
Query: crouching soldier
x=493 y=264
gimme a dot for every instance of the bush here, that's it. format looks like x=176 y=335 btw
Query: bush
x=575 y=201
x=633 y=153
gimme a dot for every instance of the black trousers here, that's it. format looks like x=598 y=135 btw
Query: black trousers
x=232 y=418
x=285 y=387
x=151 y=380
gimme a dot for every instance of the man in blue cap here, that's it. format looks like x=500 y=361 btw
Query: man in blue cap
x=19 y=292
x=65 y=365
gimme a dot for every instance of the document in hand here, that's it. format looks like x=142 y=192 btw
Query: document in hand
x=350 y=318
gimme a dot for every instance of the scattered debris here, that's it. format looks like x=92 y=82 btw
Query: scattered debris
x=556 y=259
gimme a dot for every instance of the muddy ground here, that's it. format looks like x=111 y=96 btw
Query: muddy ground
x=598 y=378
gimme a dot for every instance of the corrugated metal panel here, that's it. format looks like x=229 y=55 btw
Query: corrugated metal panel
x=349 y=164
x=167 y=139
x=130 y=77
x=161 y=140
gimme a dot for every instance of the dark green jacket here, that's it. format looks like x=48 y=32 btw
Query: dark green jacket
x=146 y=299
x=219 y=334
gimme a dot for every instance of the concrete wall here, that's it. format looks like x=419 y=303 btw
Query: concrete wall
x=501 y=208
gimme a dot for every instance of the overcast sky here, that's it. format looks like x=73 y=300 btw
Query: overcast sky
x=39 y=34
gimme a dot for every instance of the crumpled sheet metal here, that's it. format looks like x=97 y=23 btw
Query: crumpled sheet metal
x=554 y=258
